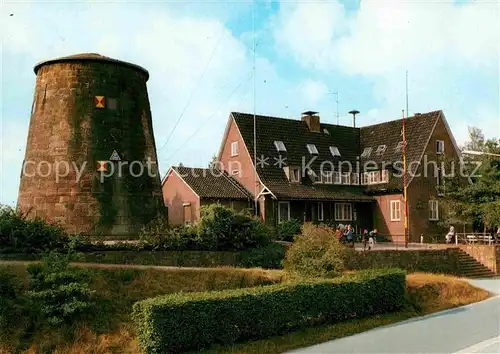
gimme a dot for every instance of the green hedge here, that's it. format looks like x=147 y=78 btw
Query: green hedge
x=180 y=322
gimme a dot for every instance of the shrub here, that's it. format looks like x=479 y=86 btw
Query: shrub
x=10 y=297
x=23 y=235
x=222 y=229
x=159 y=235
x=60 y=294
x=270 y=256
x=287 y=230
x=315 y=253
x=190 y=321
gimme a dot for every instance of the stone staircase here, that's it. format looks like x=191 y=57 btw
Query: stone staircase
x=469 y=267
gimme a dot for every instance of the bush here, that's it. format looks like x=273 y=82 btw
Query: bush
x=287 y=230
x=22 y=235
x=220 y=228
x=159 y=235
x=10 y=297
x=60 y=294
x=315 y=253
x=190 y=321
x=270 y=257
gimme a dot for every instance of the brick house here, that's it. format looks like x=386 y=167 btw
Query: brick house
x=312 y=171
x=186 y=189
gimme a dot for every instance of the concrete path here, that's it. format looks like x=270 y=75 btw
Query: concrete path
x=473 y=328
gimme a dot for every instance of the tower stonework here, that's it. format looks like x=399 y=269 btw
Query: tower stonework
x=90 y=159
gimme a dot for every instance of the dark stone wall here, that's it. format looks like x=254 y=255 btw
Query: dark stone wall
x=68 y=133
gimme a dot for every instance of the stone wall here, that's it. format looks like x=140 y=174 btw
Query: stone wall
x=487 y=255
x=434 y=261
x=69 y=133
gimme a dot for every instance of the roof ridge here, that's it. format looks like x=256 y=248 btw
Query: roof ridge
x=400 y=119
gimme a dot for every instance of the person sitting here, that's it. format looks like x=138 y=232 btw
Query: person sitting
x=450 y=235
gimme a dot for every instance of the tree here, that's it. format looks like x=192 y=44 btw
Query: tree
x=213 y=162
x=477 y=203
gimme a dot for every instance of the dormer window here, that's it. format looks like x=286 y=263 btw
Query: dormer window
x=366 y=152
x=327 y=177
x=336 y=178
x=335 y=151
x=346 y=178
x=381 y=149
x=385 y=176
x=292 y=173
x=280 y=146
x=399 y=147
x=312 y=149
x=295 y=174
x=326 y=131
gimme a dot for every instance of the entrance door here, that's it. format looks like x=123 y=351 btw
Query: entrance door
x=308 y=212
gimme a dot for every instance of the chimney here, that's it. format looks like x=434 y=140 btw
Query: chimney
x=312 y=120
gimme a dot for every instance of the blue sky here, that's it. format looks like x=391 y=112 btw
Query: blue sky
x=305 y=51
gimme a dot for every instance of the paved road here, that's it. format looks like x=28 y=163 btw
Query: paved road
x=473 y=328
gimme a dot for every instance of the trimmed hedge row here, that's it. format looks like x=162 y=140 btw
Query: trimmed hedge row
x=189 y=321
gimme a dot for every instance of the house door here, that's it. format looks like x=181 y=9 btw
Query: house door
x=308 y=212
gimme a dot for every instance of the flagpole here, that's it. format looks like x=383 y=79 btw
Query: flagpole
x=405 y=196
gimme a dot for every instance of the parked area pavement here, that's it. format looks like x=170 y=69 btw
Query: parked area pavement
x=472 y=328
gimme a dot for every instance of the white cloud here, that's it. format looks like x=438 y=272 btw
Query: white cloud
x=451 y=51
x=312 y=91
x=174 y=47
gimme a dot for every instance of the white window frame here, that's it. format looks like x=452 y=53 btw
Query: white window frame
x=384 y=176
x=337 y=179
x=381 y=149
x=235 y=172
x=326 y=131
x=279 y=211
x=439 y=147
x=355 y=179
x=292 y=174
x=321 y=214
x=366 y=152
x=334 y=151
x=340 y=209
x=327 y=177
x=345 y=176
x=280 y=145
x=433 y=209
x=395 y=211
x=234 y=148
x=312 y=149
x=365 y=178
x=374 y=177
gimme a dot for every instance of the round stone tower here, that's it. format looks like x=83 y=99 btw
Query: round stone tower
x=90 y=159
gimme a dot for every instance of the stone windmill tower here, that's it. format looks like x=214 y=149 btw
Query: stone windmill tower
x=90 y=160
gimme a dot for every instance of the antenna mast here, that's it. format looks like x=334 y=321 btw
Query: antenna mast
x=406 y=93
x=337 y=101
x=254 y=118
